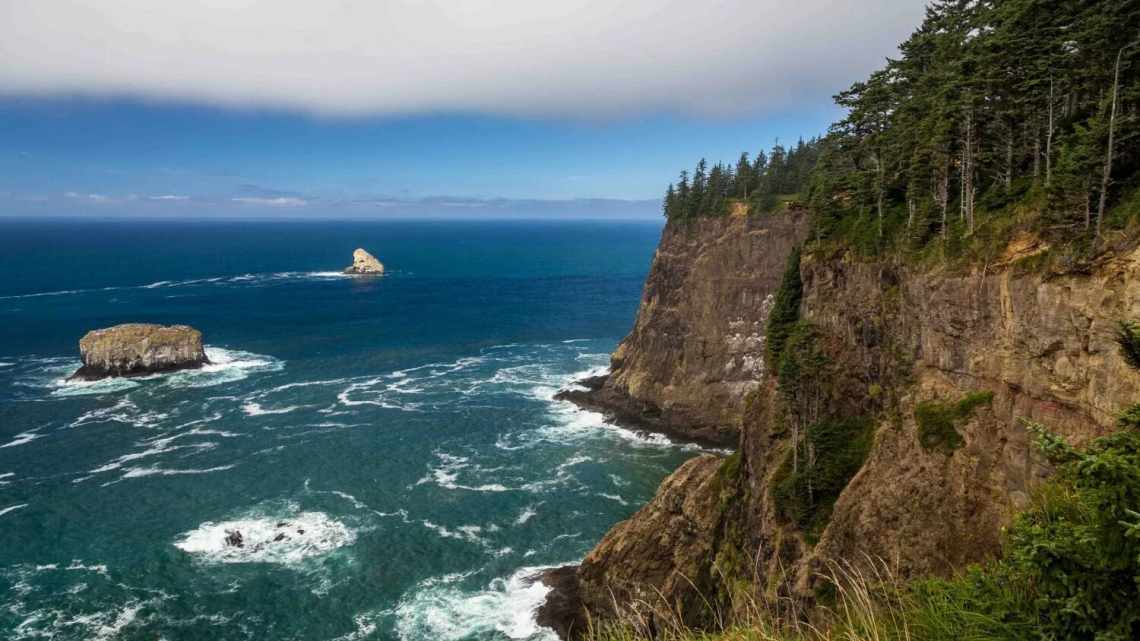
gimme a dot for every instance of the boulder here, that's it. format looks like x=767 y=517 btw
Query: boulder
x=137 y=349
x=364 y=263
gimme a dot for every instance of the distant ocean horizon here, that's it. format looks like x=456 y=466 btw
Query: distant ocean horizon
x=400 y=432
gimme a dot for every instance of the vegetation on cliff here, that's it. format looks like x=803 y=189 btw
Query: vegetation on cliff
x=1070 y=568
x=998 y=116
x=937 y=422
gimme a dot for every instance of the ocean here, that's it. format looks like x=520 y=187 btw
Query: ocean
x=389 y=448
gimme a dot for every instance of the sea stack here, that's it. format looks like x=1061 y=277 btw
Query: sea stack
x=364 y=263
x=137 y=349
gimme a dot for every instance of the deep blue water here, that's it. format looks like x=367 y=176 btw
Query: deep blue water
x=399 y=431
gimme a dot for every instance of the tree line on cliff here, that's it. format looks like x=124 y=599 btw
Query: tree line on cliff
x=990 y=104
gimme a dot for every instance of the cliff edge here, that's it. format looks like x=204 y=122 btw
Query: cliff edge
x=898 y=435
x=697 y=347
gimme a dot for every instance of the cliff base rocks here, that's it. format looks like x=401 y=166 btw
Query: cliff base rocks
x=137 y=349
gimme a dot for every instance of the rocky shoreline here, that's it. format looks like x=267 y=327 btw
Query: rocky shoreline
x=643 y=416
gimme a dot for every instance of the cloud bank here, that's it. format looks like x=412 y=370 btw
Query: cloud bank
x=571 y=58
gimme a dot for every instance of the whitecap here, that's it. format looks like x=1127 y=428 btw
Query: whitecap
x=613 y=497
x=66 y=387
x=253 y=408
x=12 y=508
x=284 y=539
x=447 y=472
x=225 y=366
x=21 y=439
x=526 y=514
x=439 y=610
x=139 y=472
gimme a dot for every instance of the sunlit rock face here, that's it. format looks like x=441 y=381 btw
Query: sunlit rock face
x=137 y=349
x=364 y=263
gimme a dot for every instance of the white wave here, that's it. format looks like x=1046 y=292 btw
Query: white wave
x=365 y=626
x=21 y=439
x=447 y=473
x=160 y=283
x=163 y=445
x=253 y=408
x=4 y=478
x=284 y=539
x=65 y=387
x=526 y=514
x=123 y=411
x=613 y=497
x=469 y=533
x=140 y=472
x=618 y=481
x=12 y=508
x=439 y=610
x=225 y=366
x=7 y=364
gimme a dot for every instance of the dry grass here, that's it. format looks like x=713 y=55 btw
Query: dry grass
x=871 y=604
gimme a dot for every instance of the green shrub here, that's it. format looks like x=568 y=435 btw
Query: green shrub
x=938 y=422
x=805 y=490
x=785 y=310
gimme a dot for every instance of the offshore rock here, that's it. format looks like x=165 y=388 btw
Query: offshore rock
x=137 y=349
x=364 y=263
x=697 y=346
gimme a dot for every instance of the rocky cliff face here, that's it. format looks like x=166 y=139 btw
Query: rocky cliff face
x=901 y=341
x=697 y=347
x=364 y=263
x=135 y=349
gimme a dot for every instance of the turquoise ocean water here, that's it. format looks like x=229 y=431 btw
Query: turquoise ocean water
x=400 y=432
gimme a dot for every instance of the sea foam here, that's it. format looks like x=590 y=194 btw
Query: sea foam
x=439 y=609
x=286 y=539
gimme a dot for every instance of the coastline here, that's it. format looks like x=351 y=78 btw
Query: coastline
x=631 y=413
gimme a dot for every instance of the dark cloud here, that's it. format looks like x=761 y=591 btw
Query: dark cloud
x=575 y=58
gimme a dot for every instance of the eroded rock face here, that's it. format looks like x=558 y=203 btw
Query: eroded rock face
x=136 y=349
x=1041 y=343
x=666 y=548
x=697 y=347
x=364 y=263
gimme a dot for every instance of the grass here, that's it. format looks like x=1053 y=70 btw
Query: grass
x=938 y=422
x=869 y=602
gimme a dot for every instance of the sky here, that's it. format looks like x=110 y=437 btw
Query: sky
x=409 y=108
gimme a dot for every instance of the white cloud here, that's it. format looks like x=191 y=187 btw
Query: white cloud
x=171 y=197
x=98 y=198
x=280 y=201
x=576 y=58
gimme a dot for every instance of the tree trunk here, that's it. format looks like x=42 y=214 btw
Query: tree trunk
x=1049 y=138
x=1106 y=174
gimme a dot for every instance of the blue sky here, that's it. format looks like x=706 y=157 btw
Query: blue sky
x=561 y=110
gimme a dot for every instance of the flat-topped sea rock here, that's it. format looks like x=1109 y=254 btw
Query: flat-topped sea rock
x=137 y=349
x=364 y=263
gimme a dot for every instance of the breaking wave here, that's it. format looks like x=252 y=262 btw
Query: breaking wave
x=439 y=609
x=284 y=539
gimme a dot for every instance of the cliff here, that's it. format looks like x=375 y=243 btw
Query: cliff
x=911 y=386
x=697 y=347
x=136 y=349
